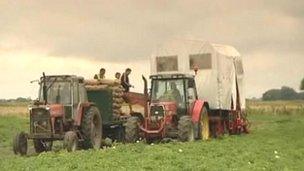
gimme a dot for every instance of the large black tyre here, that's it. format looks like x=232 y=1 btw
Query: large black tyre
x=185 y=129
x=70 y=141
x=20 y=144
x=132 y=130
x=91 y=128
x=204 y=128
x=42 y=145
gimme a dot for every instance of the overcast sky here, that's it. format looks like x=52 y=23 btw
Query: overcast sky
x=78 y=37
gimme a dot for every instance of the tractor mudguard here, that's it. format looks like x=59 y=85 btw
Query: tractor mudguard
x=196 y=110
x=80 y=111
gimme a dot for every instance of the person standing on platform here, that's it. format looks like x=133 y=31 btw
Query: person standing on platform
x=117 y=76
x=125 y=82
x=102 y=73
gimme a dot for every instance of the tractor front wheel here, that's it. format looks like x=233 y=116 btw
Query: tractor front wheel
x=70 y=141
x=132 y=130
x=91 y=128
x=185 y=129
x=20 y=144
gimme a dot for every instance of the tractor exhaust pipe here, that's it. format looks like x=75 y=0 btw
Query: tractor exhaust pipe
x=146 y=94
x=44 y=89
x=145 y=85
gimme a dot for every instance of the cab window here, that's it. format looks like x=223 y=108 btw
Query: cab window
x=169 y=90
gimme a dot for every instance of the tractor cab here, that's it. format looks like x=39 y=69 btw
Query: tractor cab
x=65 y=90
x=172 y=90
x=58 y=101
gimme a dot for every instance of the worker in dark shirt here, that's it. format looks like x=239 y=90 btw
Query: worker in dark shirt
x=102 y=73
x=125 y=80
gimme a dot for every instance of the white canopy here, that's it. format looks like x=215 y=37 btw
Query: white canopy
x=220 y=69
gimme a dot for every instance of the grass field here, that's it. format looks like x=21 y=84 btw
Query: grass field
x=276 y=142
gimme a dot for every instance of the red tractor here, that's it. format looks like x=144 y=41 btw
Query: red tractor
x=62 y=112
x=172 y=110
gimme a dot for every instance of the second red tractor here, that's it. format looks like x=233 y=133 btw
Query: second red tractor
x=172 y=110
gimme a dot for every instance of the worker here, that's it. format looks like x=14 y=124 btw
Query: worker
x=125 y=80
x=102 y=73
x=117 y=76
x=175 y=93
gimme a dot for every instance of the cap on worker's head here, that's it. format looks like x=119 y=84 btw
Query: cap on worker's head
x=128 y=69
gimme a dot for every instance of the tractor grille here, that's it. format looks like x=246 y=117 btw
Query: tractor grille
x=40 y=121
x=157 y=111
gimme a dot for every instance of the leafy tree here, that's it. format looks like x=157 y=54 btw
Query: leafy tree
x=288 y=93
x=285 y=93
x=302 y=84
x=273 y=94
x=301 y=95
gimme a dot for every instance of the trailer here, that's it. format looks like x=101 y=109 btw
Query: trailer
x=112 y=125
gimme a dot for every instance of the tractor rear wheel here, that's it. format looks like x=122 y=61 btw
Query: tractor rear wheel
x=20 y=144
x=42 y=145
x=204 y=130
x=91 y=128
x=185 y=129
x=70 y=141
x=132 y=130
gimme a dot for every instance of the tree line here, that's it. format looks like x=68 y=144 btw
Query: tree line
x=285 y=93
x=19 y=99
